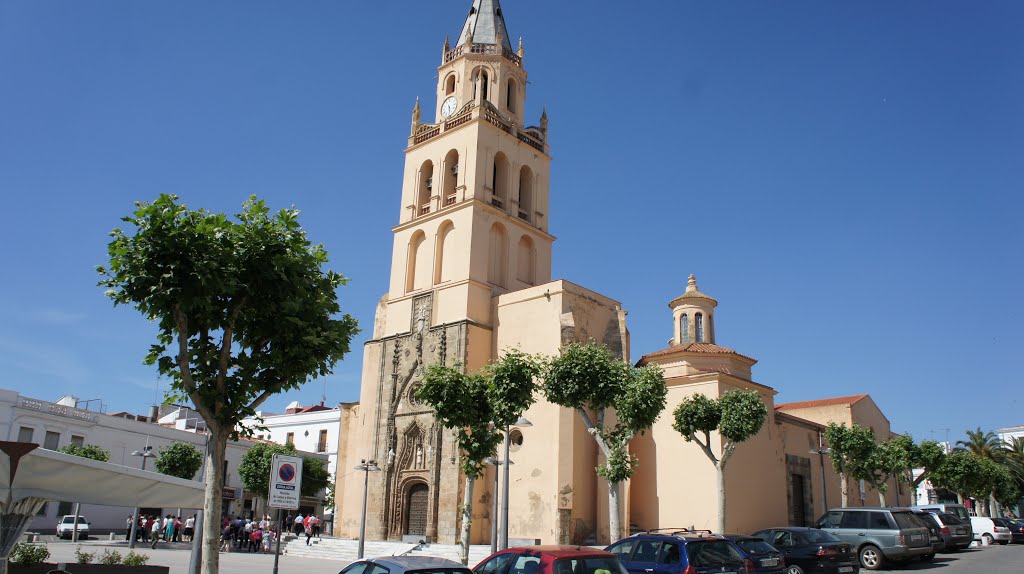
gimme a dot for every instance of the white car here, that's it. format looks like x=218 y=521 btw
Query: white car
x=989 y=532
x=66 y=527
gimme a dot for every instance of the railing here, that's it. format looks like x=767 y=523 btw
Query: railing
x=523 y=215
x=497 y=203
x=459 y=120
x=55 y=409
x=449 y=200
x=425 y=209
x=426 y=132
x=486 y=50
x=530 y=141
x=493 y=118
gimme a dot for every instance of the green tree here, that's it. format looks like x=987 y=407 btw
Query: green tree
x=735 y=416
x=851 y=449
x=257 y=462
x=460 y=402
x=983 y=445
x=615 y=401
x=180 y=459
x=86 y=451
x=890 y=459
x=928 y=456
x=244 y=310
x=959 y=473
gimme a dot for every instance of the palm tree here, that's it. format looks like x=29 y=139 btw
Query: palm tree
x=1014 y=457
x=983 y=445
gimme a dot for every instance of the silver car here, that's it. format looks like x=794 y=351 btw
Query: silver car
x=879 y=534
x=404 y=565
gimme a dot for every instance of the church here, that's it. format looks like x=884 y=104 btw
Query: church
x=470 y=277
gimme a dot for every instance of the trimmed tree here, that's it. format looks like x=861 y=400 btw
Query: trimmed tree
x=851 y=449
x=254 y=470
x=180 y=459
x=928 y=456
x=86 y=451
x=736 y=416
x=244 y=310
x=889 y=459
x=958 y=474
x=460 y=402
x=590 y=380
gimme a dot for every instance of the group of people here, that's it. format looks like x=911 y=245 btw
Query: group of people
x=152 y=529
x=308 y=525
x=248 y=535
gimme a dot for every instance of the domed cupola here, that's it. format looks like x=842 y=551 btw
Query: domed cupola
x=694 y=315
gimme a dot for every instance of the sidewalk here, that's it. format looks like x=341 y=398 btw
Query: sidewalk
x=230 y=563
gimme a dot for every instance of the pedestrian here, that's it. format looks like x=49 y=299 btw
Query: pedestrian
x=268 y=540
x=316 y=527
x=128 y=527
x=144 y=527
x=169 y=529
x=298 y=524
x=257 y=541
x=154 y=532
x=225 y=538
x=177 y=529
x=190 y=527
x=308 y=527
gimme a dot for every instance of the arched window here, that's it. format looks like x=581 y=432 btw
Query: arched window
x=451 y=178
x=498 y=255
x=449 y=85
x=698 y=323
x=443 y=259
x=418 y=267
x=499 y=181
x=525 y=261
x=526 y=193
x=485 y=84
x=425 y=188
x=684 y=328
x=510 y=95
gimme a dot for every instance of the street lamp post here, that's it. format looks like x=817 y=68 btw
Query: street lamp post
x=367 y=466
x=821 y=451
x=494 y=511
x=522 y=422
x=145 y=453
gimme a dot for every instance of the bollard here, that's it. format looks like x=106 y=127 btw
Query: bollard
x=111 y=535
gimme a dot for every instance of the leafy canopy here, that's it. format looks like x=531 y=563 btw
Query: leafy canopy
x=851 y=449
x=180 y=459
x=86 y=451
x=243 y=308
x=254 y=469
x=736 y=416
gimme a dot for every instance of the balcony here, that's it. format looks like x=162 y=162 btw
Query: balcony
x=55 y=409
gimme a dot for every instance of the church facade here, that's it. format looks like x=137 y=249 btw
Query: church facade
x=470 y=277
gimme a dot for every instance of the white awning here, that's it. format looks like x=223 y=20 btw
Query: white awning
x=53 y=475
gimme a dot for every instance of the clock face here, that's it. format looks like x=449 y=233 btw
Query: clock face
x=448 y=106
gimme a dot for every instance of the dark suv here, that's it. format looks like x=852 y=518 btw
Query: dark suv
x=680 y=551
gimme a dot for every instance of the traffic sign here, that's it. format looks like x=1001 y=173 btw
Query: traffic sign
x=285 y=482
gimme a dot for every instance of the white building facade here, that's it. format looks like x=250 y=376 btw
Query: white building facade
x=53 y=425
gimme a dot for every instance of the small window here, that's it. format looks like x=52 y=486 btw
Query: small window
x=622 y=550
x=698 y=323
x=484 y=84
x=713 y=553
x=52 y=440
x=321 y=445
x=879 y=521
x=494 y=564
x=783 y=539
x=449 y=85
x=77 y=440
x=289 y=438
x=646 y=551
x=669 y=553
x=525 y=565
x=854 y=520
x=25 y=434
x=510 y=95
x=355 y=568
x=831 y=520
x=684 y=329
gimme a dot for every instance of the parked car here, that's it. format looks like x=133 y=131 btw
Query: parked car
x=811 y=551
x=1017 y=526
x=957 y=533
x=988 y=532
x=405 y=565
x=934 y=533
x=958 y=510
x=66 y=527
x=680 y=552
x=550 y=560
x=766 y=558
x=1016 y=532
x=879 y=535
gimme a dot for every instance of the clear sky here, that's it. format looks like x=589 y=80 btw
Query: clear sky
x=845 y=178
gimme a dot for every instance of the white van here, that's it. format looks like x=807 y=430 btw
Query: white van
x=989 y=532
x=958 y=510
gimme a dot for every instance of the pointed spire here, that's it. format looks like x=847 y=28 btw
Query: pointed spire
x=485 y=24
x=415 y=116
x=544 y=121
x=447 y=44
x=520 y=51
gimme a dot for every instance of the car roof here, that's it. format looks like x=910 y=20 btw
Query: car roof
x=560 y=551
x=791 y=528
x=417 y=562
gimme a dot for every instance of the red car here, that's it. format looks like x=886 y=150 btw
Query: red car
x=551 y=560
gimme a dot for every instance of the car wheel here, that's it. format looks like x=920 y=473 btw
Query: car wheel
x=1004 y=542
x=987 y=538
x=870 y=557
x=794 y=569
x=927 y=557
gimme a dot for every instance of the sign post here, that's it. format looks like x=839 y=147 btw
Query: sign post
x=285 y=489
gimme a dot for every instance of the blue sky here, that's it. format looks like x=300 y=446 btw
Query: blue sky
x=844 y=177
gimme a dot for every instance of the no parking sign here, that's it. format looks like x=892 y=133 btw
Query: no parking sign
x=285 y=482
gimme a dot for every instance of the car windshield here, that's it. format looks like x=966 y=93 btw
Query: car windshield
x=712 y=553
x=441 y=571
x=906 y=520
x=950 y=519
x=818 y=536
x=755 y=546
x=592 y=565
x=71 y=520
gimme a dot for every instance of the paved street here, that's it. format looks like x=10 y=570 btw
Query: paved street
x=231 y=563
x=986 y=560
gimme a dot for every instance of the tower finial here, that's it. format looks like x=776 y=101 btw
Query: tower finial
x=544 y=121
x=519 y=51
x=691 y=283
x=445 y=49
x=415 y=116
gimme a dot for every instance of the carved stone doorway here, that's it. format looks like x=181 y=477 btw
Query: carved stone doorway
x=417 y=504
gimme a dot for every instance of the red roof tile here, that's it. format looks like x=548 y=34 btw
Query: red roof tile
x=821 y=403
x=706 y=348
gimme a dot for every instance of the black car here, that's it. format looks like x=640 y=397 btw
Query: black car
x=934 y=532
x=812 y=551
x=766 y=558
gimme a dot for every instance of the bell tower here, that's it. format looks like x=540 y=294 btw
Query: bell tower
x=473 y=221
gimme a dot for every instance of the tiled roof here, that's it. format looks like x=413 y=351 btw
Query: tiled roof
x=704 y=348
x=852 y=399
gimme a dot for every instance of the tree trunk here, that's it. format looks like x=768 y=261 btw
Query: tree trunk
x=614 y=512
x=720 y=485
x=844 y=488
x=467 y=520
x=960 y=498
x=881 y=497
x=214 y=474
